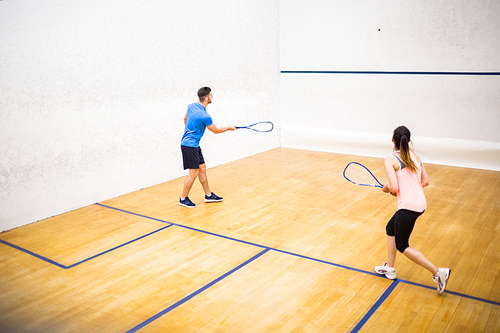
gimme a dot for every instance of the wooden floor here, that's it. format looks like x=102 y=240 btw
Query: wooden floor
x=291 y=249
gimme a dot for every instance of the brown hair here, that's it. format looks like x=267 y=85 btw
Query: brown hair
x=203 y=92
x=401 y=137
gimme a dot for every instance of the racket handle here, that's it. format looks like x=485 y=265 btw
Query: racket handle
x=237 y=127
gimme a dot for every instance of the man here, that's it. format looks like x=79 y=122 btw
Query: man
x=195 y=121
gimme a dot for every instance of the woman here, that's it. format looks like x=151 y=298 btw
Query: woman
x=407 y=178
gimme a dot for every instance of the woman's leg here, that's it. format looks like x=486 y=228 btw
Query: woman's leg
x=391 y=247
x=418 y=258
x=405 y=221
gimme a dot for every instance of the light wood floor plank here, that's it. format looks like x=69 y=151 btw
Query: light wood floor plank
x=278 y=293
x=414 y=309
x=116 y=292
x=77 y=235
x=285 y=199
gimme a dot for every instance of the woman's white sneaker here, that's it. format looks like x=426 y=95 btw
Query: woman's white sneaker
x=389 y=272
x=441 y=278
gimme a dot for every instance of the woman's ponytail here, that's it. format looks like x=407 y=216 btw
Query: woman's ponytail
x=401 y=139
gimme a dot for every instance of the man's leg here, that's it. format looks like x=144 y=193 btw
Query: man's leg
x=188 y=183
x=203 y=179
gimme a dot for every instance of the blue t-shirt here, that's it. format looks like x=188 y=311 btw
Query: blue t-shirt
x=197 y=121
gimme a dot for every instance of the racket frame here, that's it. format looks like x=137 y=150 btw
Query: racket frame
x=256 y=130
x=378 y=184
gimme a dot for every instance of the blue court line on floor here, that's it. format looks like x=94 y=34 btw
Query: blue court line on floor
x=328 y=263
x=197 y=292
x=374 y=308
x=33 y=254
x=244 y=242
x=85 y=260
x=184 y=226
x=300 y=256
x=393 y=73
x=391 y=288
x=119 y=246
x=474 y=298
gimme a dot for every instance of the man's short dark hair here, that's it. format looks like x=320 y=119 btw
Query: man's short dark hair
x=203 y=92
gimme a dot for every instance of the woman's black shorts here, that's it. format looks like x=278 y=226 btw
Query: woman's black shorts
x=400 y=226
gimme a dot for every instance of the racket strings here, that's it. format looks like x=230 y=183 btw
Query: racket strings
x=262 y=126
x=359 y=175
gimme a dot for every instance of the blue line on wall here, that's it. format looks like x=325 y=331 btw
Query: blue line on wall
x=391 y=73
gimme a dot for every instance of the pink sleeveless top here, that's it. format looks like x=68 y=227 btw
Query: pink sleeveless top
x=411 y=193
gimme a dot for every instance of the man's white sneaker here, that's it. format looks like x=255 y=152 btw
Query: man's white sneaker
x=389 y=272
x=441 y=278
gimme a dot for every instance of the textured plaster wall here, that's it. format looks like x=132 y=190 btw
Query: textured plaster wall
x=93 y=94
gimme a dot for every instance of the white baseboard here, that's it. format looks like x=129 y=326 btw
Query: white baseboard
x=446 y=151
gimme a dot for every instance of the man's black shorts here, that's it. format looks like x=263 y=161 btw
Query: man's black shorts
x=192 y=157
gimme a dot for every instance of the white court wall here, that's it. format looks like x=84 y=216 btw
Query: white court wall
x=351 y=107
x=93 y=94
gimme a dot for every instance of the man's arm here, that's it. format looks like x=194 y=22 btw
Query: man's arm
x=217 y=130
